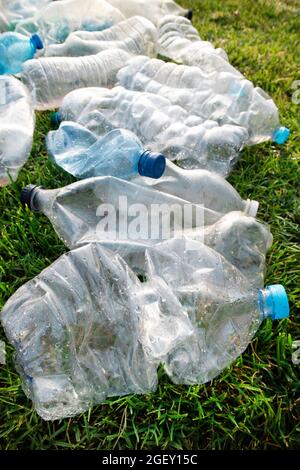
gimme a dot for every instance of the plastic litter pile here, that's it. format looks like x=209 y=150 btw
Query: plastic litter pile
x=181 y=285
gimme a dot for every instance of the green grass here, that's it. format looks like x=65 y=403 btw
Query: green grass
x=255 y=403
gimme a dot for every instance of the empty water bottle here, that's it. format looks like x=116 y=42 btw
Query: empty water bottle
x=180 y=41
x=154 y=10
x=218 y=96
x=160 y=125
x=17 y=121
x=84 y=343
x=136 y=35
x=127 y=218
x=224 y=309
x=15 y=49
x=50 y=78
x=119 y=153
x=13 y=11
x=58 y=19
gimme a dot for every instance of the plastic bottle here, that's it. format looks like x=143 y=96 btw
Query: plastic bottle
x=13 y=11
x=78 y=151
x=51 y=78
x=58 y=19
x=127 y=218
x=218 y=96
x=15 y=49
x=201 y=187
x=180 y=41
x=160 y=125
x=119 y=153
x=154 y=10
x=224 y=309
x=85 y=342
x=136 y=35
x=17 y=122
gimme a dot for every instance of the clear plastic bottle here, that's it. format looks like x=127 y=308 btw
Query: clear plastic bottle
x=160 y=125
x=58 y=19
x=154 y=10
x=17 y=122
x=218 y=96
x=77 y=332
x=109 y=210
x=119 y=153
x=50 y=78
x=13 y=11
x=136 y=35
x=180 y=41
x=15 y=49
x=101 y=332
x=223 y=308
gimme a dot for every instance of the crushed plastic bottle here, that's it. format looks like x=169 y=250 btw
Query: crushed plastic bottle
x=109 y=210
x=224 y=309
x=13 y=11
x=50 y=78
x=160 y=125
x=58 y=19
x=180 y=41
x=154 y=10
x=15 y=49
x=218 y=96
x=119 y=153
x=17 y=122
x=77 y=333
x=136 y=35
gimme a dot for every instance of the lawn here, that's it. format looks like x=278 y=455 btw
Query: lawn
x=255 y=403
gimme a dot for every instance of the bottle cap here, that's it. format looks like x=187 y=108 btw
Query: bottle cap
x=27 y=196
x=281 y=135
x=152 y=164
x=55 y=120
x=37 y=41
x=277 y=299
x=189 y=15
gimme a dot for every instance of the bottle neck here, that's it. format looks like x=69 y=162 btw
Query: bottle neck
x=265 y=304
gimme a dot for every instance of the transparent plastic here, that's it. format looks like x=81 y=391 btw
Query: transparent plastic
x=81 y=213
x=17 y=122
x=77 y=333
x=224 y=309
x=58 y=19
x=15 y=49
x=217 y=96
x=180 y=41
x=136 y=35
x=119 y=153
x=201 y=187
x=13 y=11
x=160 y=125
x=50 y=78
x=86 y=328
x=153 y=10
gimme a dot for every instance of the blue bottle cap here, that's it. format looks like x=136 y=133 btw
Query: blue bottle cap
x=152 y=164
x=281 y=135
x=278 y=302
x=36 y=41
x=55 y=120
